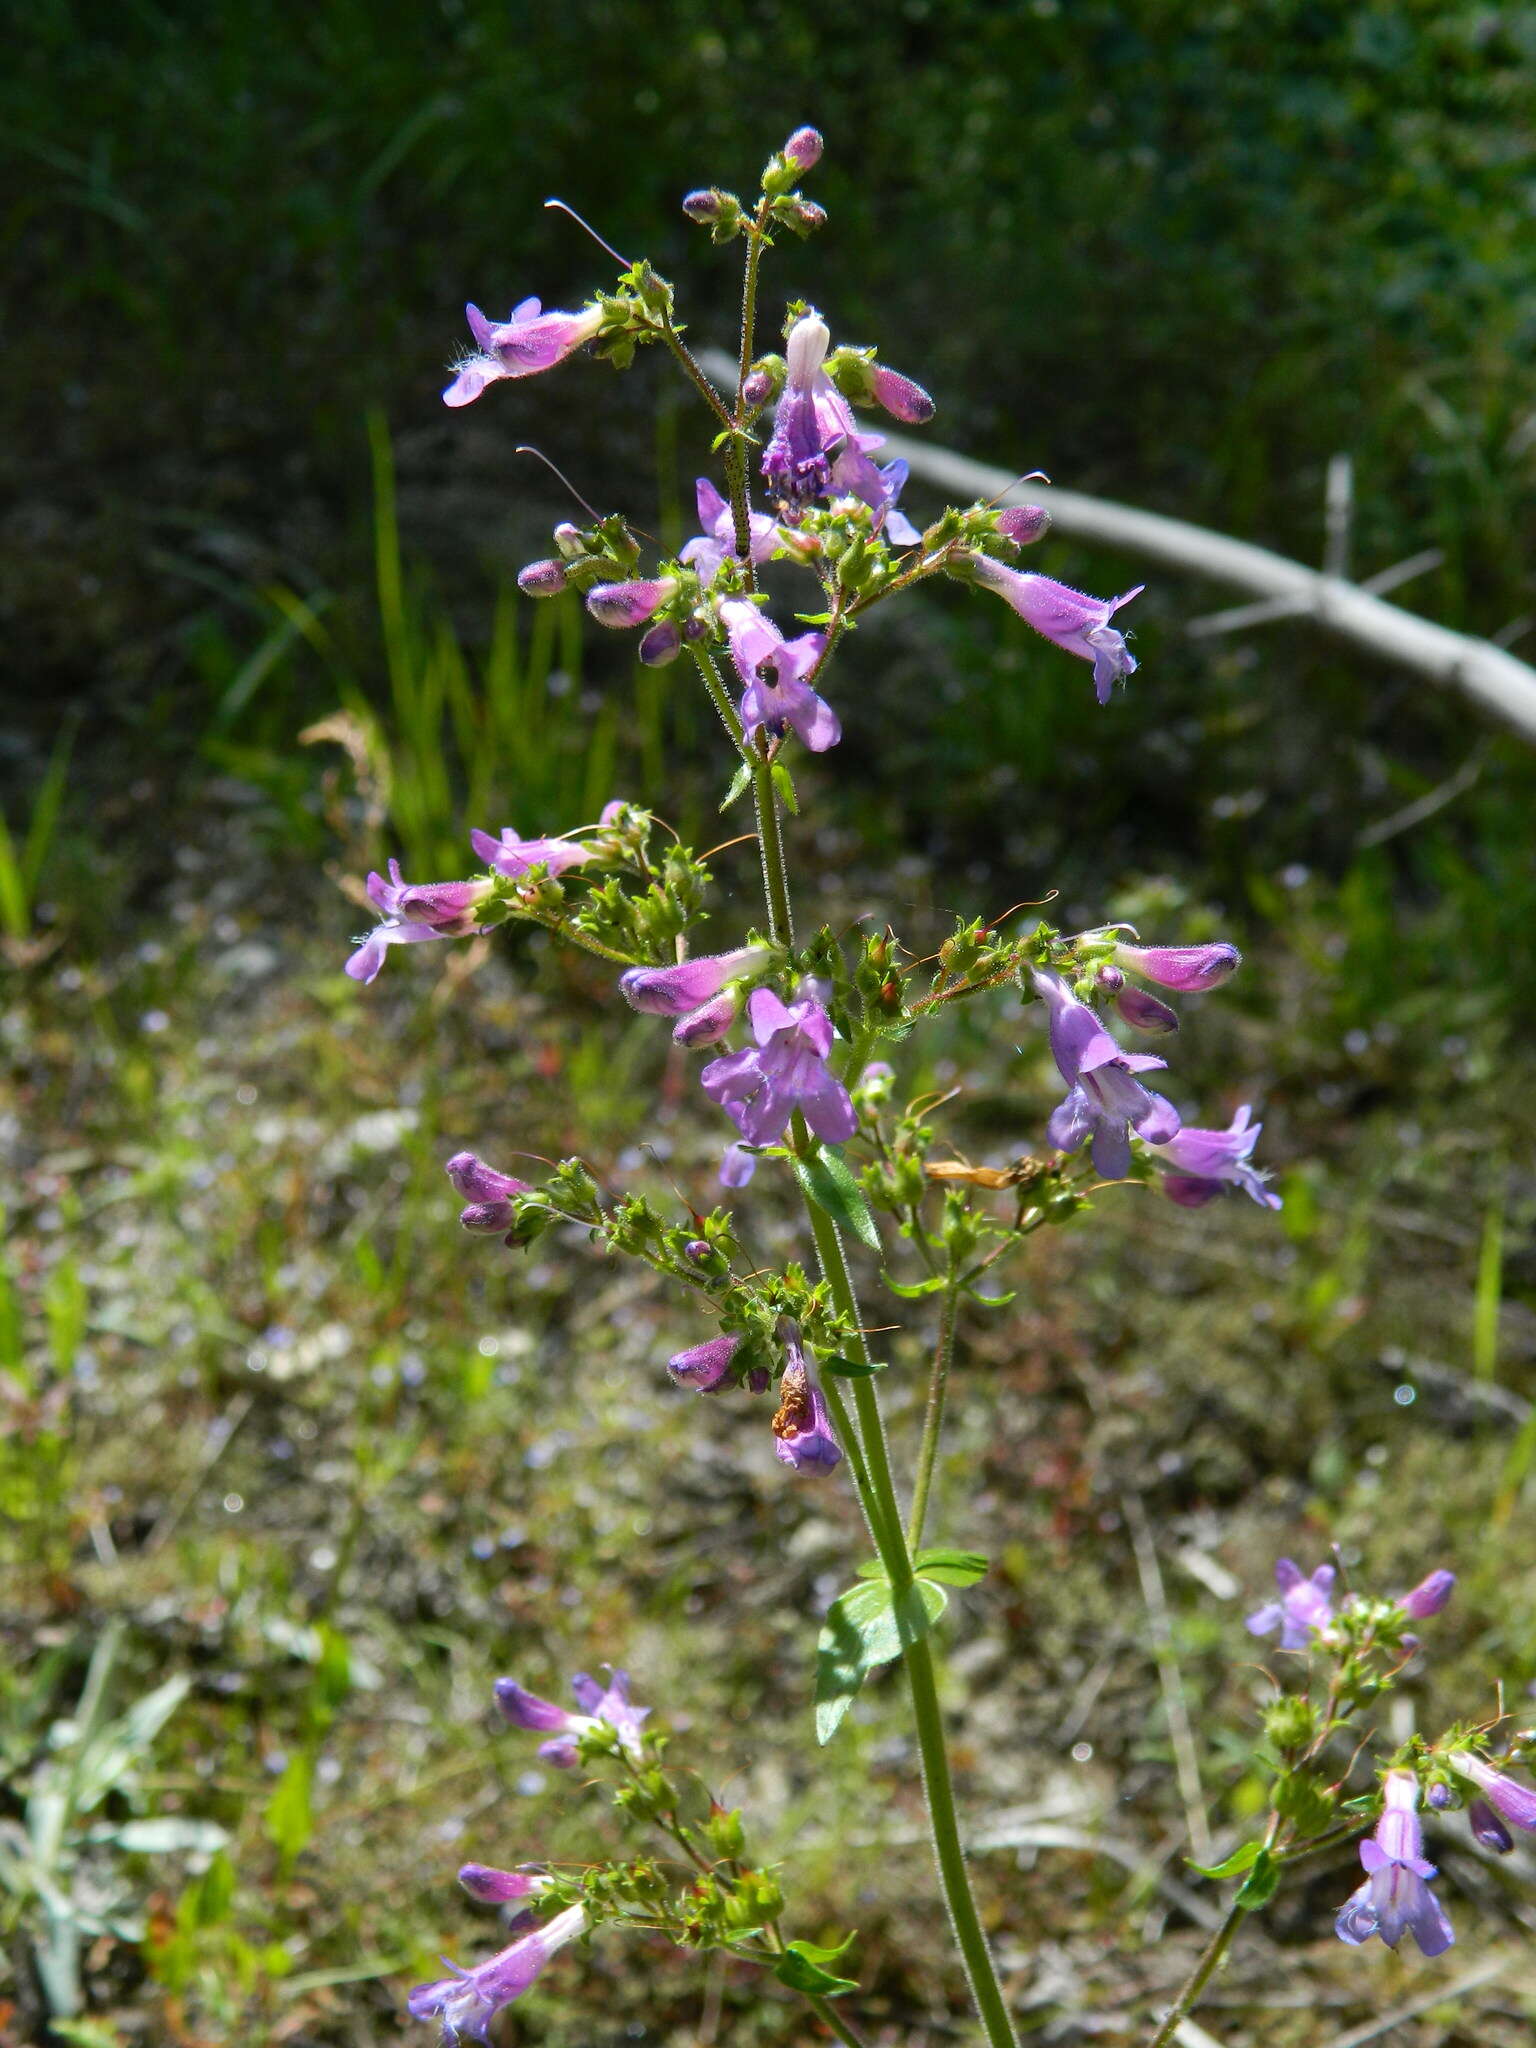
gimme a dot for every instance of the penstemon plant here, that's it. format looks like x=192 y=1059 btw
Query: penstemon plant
x=797 y=1025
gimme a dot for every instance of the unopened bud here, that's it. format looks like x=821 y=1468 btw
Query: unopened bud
x=542 y=579
x=804 y=216
x=661 y=644
x=1488 y=1829
x=569 y=541
x=1023 y=523
x=803 y=148
x=1439 y=1795
x=704 y=205
x=696 y=1249
x=902 y=399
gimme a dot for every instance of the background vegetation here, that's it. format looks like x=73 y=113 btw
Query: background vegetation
x=276 y=1436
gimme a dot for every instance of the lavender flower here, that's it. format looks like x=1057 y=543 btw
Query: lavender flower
x=674 y=991
x=1395 y=1898
x=513 y=856
x=1189 y=969
x=1507 y=1796
x=488 y=1193
x=412 y=912
x=786 y=1070
x=816 y=449
x=1076 y=622
x=500 y=1887
x=707 y=1365
x=773 y=672
x=708 y=550
x=1104 y=1098
x=737 y=1166
x=629 y=604
x=1304 y=1605
x=901 y=398
x=1023 y=524
x=468 y=2000
x=600 y=1706
x=802 y=1428
x=1429 y=1596
x=663 y=643
x=1206 y=1164
x=527 y=341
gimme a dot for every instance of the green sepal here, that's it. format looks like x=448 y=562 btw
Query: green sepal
x=784 y=784
x=828 y=1181
x=951 y=1567
x=741 y=782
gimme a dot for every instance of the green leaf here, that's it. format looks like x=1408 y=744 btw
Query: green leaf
x=917 y=1289
x=993 y=1300
x=289 y=1819
x=799 y=1968
x=951 y=1567
x=1258 y=1887
x=784 y=784
x=866 y=1627
x=853 y=1368
x=828 y=1180
x=871 y=1568
x=741 y=782
x=1239 y=1861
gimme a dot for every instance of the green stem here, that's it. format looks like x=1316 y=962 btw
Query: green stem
x=720 y=697
x=827 y=2013
x=696 y=376
x=1216 y=1948
x=770 y=840
x=933 y=1421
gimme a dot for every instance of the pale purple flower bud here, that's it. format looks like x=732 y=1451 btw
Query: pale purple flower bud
x=468 y=2000
x=1395 y=1898
x=698 y=1249
x=488 y=1193
x=802 y=1428
x=1189 y=969
x=709 y=1023
x=494 y=1887
x=568 y=540
x=760 y=1087
x=661 y=644
x=1110 y=980
x=1439 y=1796
x=629 y=604
x=1144 y=1012
x=1023 y=524
x=1488 y=1829
x=1077 y=623
x=807 y=216
x=675 y=991
x=528 y=341
x=1428 y=1596
x=542 y=579
x=513 y=856
x=803 y=149
x=1512 y=1800
x=901 y=398
x=758 y=388
x=1305 y=1605
x=707 y=1365
x=704 y=205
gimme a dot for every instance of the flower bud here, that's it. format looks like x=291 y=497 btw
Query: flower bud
x=1488 y=1829
x=568 y=540
x=1144 y=1012
x=758 y=388
x=902 y=399
x=698 y=1250
x=497 y=1887
x=704 y=206
x=803 y=216
x=1429 y=1595
x=1187 y=968
x=709 y=1023
x=629 y=604
x=1439 y=1795
x=1023 y=523
x=803 y=148
x=661 y=644
x=542 y=579
x=706 y=1366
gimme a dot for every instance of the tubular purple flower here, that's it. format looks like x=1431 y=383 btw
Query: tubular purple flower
x=803 y=148
x=816 y=449
x=1189 y=969
x=1514 y=1801
x=413 y=912
x=629 y=604
x=513 y=856
x=527 y=341
x=802 y=1428
x=1428 y=1596
x=1023 y=524
x=674 y=991
x=488 y=1193
x=773 y=672
x=787 y=1069
x=661 y=644
x=717 y=543
x=901 y=398
x=1144 y=1012
x=1395 y=1898
x=1304 y=1605
x=542 y=579
x=1077 y=623
x=600 y=1706
x=1204 y=1164
x=494 y=1887
x=710 y=1022
x=468 y=2000
x=706 y=1366
x=1104 y=1099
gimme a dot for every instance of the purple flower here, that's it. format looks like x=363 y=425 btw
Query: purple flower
x=1395 y=1898
x=1023 y=524
x=759 y=1087
x=1509 y=1798
x=1304 y=1605
x=513 y=856
x=707 y=1365
x=1075 y=621
x=816 y=449
x=1104 y=1098
x=902 y=399
x=527 y=341
x=663 y=643
x=488 y=1193
x=802 y=1429
x=414 y=911
x=629 y=604
x=500 y=1887
x=717 y=542
x=737 y=1166
x=599 y=1705
x=674 y=991
x=1189 y=969
x=467 y=2001
x=1206 y=1163
x=773 y=672
x=1429 y=1596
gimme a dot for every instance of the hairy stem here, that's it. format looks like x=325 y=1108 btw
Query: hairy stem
x=1215 y=1949
x=770 y=841
x=696 y=376
x=933 y=1420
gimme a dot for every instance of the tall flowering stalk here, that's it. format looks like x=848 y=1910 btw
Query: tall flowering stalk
x=794 y=1024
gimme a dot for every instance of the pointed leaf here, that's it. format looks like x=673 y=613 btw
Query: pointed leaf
x=866 y=1627
x=951 y=1567
x=1258 y=1887
x=796 y=1969
x=783 y=783
x=917 y=1288
x=1233 y=1866
x=853 y=1368
x=829 y=1182
x=741 y=782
